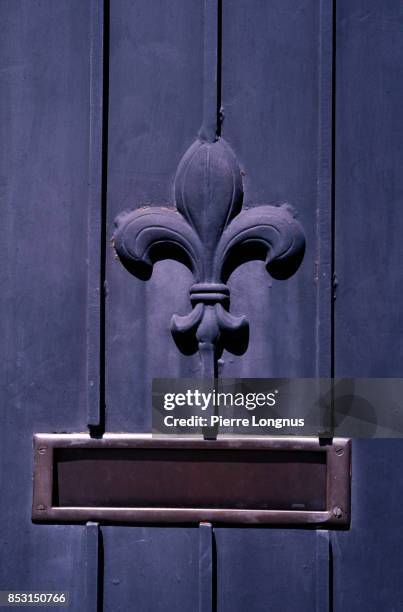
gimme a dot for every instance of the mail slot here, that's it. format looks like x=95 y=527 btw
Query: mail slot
x=123 y=478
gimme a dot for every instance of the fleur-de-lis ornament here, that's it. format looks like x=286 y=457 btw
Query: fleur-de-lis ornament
x=208 y=230
x=211 y=234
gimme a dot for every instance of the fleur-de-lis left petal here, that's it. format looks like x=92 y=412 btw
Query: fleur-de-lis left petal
x=147 y=235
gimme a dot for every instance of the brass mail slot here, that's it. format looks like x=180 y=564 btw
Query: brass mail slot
x=138 y=479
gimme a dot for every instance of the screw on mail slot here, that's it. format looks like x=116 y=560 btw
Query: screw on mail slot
x=138 y=479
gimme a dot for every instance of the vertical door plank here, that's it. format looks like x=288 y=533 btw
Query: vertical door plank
x=151 y=569
x=277 y=98
x=265 y=570
x=368 y=306
x=271 y=100
x=44 y=176
x=369 y=189
x=367 y=560
x=155 y=112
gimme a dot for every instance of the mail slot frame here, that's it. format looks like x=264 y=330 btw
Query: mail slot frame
x=338 y=476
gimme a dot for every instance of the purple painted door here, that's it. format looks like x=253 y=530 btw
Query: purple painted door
x=99 y=103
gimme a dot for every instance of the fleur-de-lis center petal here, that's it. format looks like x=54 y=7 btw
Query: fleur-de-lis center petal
x=208 y=193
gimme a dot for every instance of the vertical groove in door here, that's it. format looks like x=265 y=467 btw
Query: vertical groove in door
x=325 y=276
x=211 y=70
x=96 y=230
x=333 y=195
x=219 y=66
x=325 y=195
x=104 y=238
x=93 y=568
x=206 y=568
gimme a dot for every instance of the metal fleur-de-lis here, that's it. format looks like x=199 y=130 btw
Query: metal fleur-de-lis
x=209 y=231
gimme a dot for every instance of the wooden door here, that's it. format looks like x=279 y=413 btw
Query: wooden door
x=100 y=101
